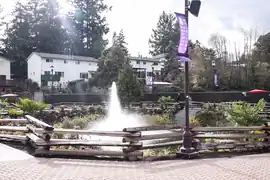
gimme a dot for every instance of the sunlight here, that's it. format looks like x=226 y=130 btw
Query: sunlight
x=65 y=7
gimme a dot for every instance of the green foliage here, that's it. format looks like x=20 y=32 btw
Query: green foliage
x=120 y=41
x=164 y=40
x=3 y=103
x=29 y=106
x=244 y=114
x=164 y=101
x=194 y=122
x=36 y=25
x=90 y=25
x=161 y=152
x=77 y=122
x=161 y=119
x=166 y=32
x=15 y=113
x=129 y=87
x=109 y=66
x=211 y=115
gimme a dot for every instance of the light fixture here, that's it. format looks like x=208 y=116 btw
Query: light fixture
x=194 y=7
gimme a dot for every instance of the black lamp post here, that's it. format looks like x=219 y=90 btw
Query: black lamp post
x=187 y=150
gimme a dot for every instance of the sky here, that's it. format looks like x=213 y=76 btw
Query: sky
x=138 y=17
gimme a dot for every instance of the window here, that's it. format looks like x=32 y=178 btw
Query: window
x=84 y=75
x=155 y=63
x=77 y=62
x=49 y=60
x=61 y=74
x=65 y=61
x=138 y=62
x=47 y=72
x=149 y=73
x=144 y=62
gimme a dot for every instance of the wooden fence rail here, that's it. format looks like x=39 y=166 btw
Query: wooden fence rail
x=130 y=142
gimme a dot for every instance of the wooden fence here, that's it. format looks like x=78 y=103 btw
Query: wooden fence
x=131 y=142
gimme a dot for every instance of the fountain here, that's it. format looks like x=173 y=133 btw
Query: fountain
x=117 y=119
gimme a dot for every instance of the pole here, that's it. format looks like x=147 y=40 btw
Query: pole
x=186 y=149
x=186 y=78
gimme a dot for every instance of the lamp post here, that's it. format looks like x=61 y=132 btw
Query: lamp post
x=187 y=150
x=52 y=68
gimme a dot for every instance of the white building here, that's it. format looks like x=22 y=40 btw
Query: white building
x=4 y=67
x=79 y=67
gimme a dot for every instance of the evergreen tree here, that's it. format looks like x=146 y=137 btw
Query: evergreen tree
x=129 y=87
x=120 y=40
x=17 y=40
x=109 y=66
x=90 y=26
x=164 y=40
x=35 y=26
x=166 y=32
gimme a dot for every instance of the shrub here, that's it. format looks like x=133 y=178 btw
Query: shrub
x=3 y=103
x=30 y=107
x=245 y=114
x=212 y=115
x=194 y=122
x=15 y=113
x=161 y=119
x=164 y=101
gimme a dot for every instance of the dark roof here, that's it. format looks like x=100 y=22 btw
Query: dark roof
x=4 y=58
x=66 y=57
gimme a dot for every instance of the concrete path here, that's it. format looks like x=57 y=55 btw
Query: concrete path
x=252 y=167
x=8 y=153
x=180 y=116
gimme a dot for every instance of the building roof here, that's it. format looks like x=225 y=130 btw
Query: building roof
x=65 y=57
x=4 y=58
x=157 y=58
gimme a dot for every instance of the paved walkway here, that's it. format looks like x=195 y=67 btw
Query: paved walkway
x=252 y=167
x=8 y=153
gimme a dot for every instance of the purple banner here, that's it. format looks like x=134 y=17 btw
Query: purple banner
x=215 y=79
x=184 y=59
x=183 y=41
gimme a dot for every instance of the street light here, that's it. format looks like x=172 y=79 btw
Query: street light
x=187 y=150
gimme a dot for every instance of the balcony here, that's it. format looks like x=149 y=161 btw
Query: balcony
x=49 y=77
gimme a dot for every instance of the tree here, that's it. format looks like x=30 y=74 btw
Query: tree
x=109 y=66
x=90 y=25
x=164 y=40
x=120 y=40
x=166 y=32
x=17 y=41
x=35 y=26
x=171 y=72
x=129 y=87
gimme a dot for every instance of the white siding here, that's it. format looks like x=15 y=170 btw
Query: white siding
x=5 y=67
x=34 y=68
x=70 y=68
x=146 y=64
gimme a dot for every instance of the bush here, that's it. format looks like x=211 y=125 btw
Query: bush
x=3 y=103
x=30 y=107
x=245 y=114
x=212 y=115
x=161 y=119
x=194 y=122
x=164 y=101
x=13 y=113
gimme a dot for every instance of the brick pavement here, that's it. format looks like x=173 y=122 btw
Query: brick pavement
x=252 y=167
